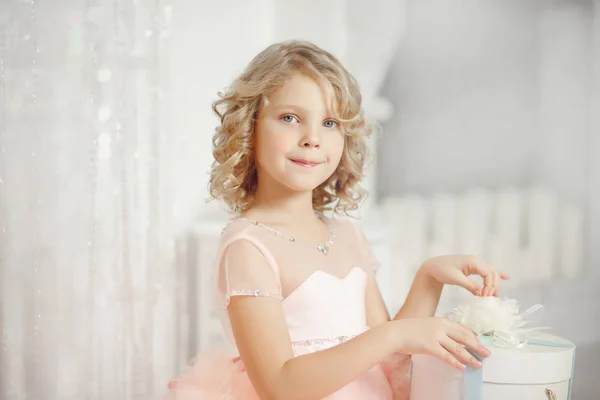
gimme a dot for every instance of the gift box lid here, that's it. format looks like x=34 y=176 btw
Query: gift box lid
x=544 y=359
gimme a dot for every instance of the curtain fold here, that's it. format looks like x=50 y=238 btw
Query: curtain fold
x=86 y=235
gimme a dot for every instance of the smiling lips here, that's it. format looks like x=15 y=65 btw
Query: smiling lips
x=305 y=163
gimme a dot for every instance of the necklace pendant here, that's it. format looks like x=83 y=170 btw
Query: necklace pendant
x=323 y=248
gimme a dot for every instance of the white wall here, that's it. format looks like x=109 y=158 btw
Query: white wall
x=319 y=21
x=492 y=94
x=212 y=43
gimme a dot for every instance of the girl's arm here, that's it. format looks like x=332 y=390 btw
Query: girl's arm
x=425 y=292
x=423 y=297
x=262 y=338
x=421 y=302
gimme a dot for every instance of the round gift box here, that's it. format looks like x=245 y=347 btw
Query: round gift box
x=546 y=362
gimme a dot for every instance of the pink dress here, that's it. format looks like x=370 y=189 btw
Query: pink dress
x=323 y=299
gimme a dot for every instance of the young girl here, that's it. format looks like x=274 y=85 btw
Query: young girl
x=297 y=290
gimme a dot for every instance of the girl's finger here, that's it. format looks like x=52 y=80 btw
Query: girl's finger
x=460 y=353
x=495 y=280
x=483 y=270
x=504 y=276
x=464 y=336
x=469 y=284
x=490 y=279
x=494 y=290
x=444 y=355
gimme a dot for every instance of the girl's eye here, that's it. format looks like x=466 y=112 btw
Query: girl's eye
x=330 y=123
x=289 y=118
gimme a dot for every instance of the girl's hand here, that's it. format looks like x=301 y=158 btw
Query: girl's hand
x=441 y=338
x=455 y=270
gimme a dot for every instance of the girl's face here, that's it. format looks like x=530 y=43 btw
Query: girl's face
x=299 y=143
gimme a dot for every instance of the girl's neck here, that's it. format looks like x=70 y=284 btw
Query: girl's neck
x=290 y=212
x=290 y=209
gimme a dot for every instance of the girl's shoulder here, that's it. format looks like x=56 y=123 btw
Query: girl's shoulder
x=240 y=228
x=248 y=237
x=346 y=228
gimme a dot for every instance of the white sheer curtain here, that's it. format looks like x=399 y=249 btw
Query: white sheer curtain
x=86 y=227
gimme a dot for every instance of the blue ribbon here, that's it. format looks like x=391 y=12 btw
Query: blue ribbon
x=473 y=377
x=473 y=381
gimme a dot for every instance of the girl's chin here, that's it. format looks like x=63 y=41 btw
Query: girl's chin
x=305 y=186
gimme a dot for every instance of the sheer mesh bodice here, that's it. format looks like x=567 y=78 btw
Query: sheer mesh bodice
x=302 y=277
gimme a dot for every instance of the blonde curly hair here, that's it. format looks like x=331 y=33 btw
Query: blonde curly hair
x=233 y=176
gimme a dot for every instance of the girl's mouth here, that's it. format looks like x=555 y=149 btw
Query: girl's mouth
x=305 y=163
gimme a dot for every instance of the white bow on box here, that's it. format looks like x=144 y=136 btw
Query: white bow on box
x=497 y=320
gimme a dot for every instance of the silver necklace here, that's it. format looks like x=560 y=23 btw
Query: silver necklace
x=322 y=247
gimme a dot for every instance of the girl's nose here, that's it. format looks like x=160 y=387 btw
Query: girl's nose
x=311 y=138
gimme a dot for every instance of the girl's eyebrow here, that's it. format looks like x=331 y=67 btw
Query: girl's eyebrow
x=293 y=107
x=288 y=106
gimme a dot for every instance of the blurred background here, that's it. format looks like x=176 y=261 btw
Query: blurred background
x=489 y=144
